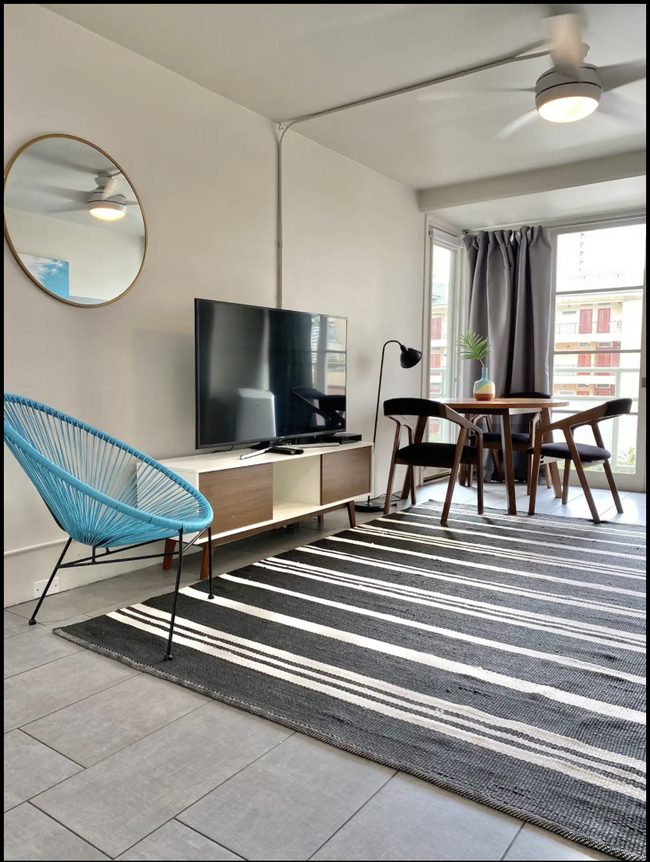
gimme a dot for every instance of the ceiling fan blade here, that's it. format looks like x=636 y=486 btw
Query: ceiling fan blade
x=56 y=191
x=622 y=73
x=68 y=208
x=444 y=95
x=519 y=123
x=568 y=52
x=616 y=105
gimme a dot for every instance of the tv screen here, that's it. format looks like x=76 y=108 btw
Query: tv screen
x=267 y=373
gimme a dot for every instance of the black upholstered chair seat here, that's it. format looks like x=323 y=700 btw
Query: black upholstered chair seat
x=495 y=437
x=561 y=450
x=434 y=454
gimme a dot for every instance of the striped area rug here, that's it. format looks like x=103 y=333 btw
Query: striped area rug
x=501 y=658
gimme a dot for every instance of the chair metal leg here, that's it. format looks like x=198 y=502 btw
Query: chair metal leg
x=32 y=621
x=413 y=497
x=168 y=654
x=537 y=458
x=607 y=467
x=565 y=482
x=210 y=594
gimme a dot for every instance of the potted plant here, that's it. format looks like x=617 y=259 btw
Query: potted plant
x=472 y=346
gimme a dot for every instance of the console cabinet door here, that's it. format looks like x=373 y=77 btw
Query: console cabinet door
x=239 y=498
x=345 y=474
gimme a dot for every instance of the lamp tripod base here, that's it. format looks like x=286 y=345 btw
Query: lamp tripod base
x=369 y=507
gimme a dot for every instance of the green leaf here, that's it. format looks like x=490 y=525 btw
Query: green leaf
x=473 y=346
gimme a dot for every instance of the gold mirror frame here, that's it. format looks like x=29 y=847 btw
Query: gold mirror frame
x=12 y=248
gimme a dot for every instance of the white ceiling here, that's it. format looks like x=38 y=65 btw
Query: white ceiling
x=285 y=60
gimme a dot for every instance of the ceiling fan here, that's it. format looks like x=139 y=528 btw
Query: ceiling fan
x=572 y=89
x=103 y=202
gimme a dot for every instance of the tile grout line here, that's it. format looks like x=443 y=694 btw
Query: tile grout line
x=220 y=784
x=44 y=664
x=81 y=699
x=509 y=847
x=71 y=759
x=71 y=831
x=198 y=832
x=119 y=750
x=354 y=813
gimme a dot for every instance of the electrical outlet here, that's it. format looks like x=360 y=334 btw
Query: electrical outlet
x=39 y=586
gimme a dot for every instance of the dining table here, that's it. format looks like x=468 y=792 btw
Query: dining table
x=505 y=408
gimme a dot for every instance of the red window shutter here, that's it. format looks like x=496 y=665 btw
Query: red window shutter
x=584 y=360
x=435 y=360
x=615 y=359
x=604 y=359
x=436 y=328
x=586 y=320
x=604 y=316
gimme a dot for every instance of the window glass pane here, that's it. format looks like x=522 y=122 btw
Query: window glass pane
x=605 y=258
x=586 y=387
x=441 y=276
x=599 y=320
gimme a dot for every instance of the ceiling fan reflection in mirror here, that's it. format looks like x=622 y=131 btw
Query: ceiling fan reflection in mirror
x=103 y=203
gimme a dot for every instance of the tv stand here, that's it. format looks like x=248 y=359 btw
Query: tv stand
x=273 y=491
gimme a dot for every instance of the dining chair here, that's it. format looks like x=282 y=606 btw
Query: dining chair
x=424 y=454
x=580 y=454
x=102 y=492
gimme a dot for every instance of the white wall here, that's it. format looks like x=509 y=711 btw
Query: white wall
x=205 y=171
x=103 y=264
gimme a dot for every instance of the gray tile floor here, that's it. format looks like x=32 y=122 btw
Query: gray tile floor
x=103 y=762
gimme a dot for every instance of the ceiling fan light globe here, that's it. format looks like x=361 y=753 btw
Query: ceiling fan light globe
x=107 y=212
x=567 y=109
x=561 y=99
x=107 y=209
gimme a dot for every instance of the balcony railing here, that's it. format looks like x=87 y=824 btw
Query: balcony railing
x=576 y=329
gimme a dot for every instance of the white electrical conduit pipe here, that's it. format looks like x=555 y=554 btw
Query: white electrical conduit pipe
x=285 y=125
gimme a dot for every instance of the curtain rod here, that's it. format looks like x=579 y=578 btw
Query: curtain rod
x=615 y=217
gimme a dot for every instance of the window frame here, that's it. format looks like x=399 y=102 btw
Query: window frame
x=626 y=482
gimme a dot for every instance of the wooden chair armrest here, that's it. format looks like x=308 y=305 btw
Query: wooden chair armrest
x=461 y=420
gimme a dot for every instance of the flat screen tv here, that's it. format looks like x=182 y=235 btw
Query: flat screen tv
x=267 y=374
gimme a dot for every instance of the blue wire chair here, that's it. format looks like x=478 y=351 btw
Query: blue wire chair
x=101 y=492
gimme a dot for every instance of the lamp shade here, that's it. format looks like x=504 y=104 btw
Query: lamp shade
x=409 y=357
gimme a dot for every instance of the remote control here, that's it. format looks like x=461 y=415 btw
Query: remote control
x=285 y=450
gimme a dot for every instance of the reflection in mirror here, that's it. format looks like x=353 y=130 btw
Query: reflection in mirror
x=73 y=220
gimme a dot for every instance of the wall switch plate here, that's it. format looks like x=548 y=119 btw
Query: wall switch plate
x=39 y=586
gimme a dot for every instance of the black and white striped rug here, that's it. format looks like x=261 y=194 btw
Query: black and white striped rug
x=501 y=658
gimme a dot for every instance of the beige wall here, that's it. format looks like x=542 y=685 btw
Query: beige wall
x=205 y=171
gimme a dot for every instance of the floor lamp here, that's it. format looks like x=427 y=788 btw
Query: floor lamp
x=409 y=357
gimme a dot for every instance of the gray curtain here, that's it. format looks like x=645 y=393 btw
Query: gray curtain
x=510 y=303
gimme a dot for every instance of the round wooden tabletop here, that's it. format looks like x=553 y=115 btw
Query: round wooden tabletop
x=501 y=404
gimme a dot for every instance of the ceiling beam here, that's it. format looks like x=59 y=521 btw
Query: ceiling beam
x=603 y=169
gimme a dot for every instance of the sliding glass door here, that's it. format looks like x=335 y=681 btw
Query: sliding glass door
x=598 y=347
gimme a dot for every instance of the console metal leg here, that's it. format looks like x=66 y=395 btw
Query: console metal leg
x=168 y=654
x=210 y=594
x=32 y=621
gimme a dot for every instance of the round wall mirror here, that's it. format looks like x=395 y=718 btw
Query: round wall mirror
x=73 y=220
